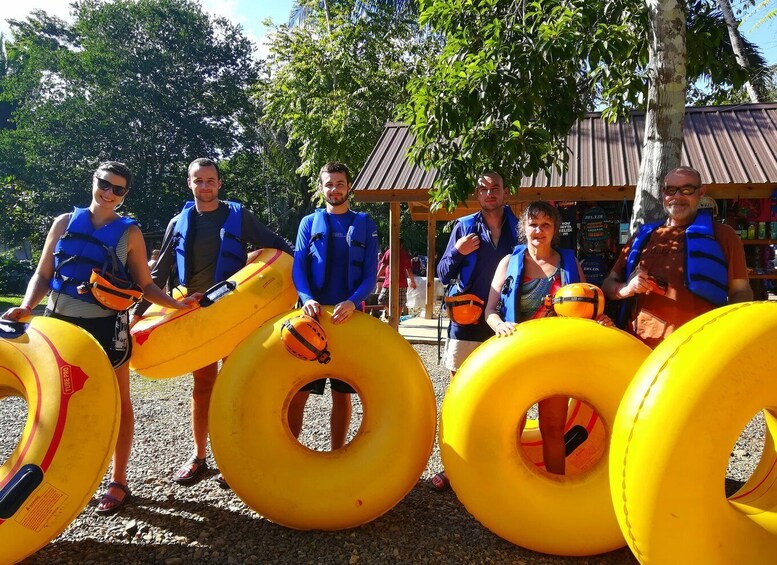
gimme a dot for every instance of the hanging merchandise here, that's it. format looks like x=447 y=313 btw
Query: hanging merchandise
x=623 y=230
x=594 y=268
x=594 y=230
x=567 y=230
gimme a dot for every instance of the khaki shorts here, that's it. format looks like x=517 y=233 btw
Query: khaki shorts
x=456 y=351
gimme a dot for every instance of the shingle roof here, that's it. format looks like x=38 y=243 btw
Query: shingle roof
x=733 y=147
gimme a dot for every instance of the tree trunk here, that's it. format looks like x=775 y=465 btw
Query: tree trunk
x=665 y=108
x=754 y=88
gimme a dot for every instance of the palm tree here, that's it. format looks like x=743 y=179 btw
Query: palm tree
x=755 y=87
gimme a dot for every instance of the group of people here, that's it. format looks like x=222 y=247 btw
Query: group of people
x=335 y=263
x=667 y=274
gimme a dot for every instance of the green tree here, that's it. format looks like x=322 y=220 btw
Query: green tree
x=514 y=77
x=154 y=83
x=334 y=81
x=511 y=81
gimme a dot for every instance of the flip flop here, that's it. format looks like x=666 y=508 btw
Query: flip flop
x=109 y=504
x=190 y=471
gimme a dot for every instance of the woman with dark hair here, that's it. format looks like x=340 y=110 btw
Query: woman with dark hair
x=76 y=243
x=536 y=268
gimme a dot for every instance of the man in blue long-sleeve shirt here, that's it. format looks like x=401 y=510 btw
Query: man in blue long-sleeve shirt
x=335 y=262
x=477 y=243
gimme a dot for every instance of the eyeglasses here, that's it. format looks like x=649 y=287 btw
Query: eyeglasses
x=103 y=184
x=685 y=190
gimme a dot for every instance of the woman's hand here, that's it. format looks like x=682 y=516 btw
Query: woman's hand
x=606 y=321
x=191 y=300
x=504 y=329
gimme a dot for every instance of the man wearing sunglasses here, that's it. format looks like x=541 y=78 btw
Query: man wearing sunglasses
x=205 y=244
x=672 y=271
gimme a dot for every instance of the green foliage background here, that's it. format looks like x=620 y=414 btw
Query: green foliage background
x=156 y=83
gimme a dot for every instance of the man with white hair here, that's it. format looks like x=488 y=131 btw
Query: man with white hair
x=672 y=271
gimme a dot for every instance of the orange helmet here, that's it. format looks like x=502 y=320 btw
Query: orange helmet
x=112 y=292
x=464 y=309
x=579 y=300
x=304 y=338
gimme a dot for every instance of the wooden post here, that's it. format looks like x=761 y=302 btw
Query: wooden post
x=394 y=213
x=431 y=244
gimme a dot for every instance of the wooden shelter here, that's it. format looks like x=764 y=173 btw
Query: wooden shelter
x=733 y=147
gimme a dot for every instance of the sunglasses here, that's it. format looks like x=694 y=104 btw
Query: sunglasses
x=685 y=190
x=103 y=184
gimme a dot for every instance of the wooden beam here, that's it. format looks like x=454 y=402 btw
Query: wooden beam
x=431 y=268
x=418 y=199
x=394 y=215
x=392 y=195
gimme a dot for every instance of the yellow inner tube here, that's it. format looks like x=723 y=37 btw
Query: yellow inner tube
x=497 y=482
x=71 y=428
x=168 y=343
x=673 y=437
x=294 y=486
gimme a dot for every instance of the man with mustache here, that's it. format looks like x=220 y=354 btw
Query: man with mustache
x=672 y=271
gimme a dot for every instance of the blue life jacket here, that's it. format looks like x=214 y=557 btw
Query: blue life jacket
x=83 y=248
x=510 y=299
x=470 y=225
x=232 y=253
x=706 y=270
x=320 y=243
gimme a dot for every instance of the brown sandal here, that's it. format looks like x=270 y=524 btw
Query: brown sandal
x=190 y=471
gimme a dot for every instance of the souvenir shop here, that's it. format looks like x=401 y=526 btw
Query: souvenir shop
x=598 y=231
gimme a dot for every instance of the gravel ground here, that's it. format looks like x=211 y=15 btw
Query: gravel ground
x=171 y=524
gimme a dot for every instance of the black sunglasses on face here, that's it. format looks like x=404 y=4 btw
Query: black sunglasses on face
x=685 y=190
x=103 y=184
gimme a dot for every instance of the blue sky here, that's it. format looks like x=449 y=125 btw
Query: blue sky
x=250 y=14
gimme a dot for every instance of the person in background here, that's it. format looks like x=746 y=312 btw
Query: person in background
x=672 y=271
x=335 y=263
x=206 y=243
x=405 y=277
x=75 y=243
x=153 y=259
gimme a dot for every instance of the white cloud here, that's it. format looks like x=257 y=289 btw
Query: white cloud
x=20 y=10
x=229 y=9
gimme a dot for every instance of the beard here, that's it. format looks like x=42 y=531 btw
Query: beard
x=336 y=200
x=680 y=212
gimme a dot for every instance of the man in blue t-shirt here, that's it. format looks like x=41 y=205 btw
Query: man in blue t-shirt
x=335 y=263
